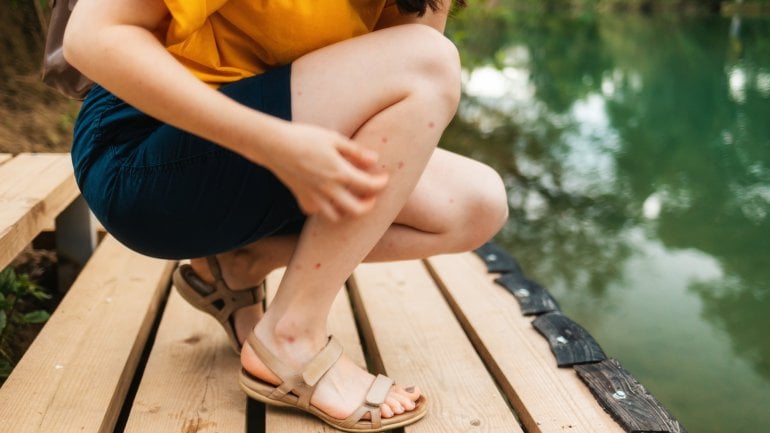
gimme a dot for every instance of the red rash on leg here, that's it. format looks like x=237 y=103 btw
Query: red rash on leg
x=317 y=266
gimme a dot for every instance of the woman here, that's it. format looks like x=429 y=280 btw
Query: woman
x=249 y=135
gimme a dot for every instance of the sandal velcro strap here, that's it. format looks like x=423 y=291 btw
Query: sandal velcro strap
x=379 y=390
x=302 y=385
x=375 y=397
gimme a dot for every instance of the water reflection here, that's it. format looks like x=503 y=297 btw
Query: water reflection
x=629 y=144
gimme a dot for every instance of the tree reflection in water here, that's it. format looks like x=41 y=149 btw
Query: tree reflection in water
x=605 y=127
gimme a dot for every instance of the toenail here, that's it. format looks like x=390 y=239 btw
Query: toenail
x=409 y=389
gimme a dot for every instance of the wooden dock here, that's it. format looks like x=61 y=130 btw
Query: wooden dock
x=124 y=353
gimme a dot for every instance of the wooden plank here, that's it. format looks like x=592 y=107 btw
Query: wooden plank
x=189 y=382
x=412 y=334
x=75 y=376
x=34 y=189
x=570 y=343
x=342 y=325
x=5 y=157
x=626 y=399
x=546 y=398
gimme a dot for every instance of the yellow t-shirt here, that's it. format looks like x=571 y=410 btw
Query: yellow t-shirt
x=222 y=41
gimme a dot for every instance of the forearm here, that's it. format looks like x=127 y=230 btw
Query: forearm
x=129 y=61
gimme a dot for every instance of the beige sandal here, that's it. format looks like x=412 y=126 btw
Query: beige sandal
x=218 y=300
x=296 y=389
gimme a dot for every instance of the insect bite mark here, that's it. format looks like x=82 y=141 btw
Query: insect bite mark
x=317 y=265
x=400 y=165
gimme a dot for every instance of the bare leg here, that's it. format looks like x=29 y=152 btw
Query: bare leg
x=393 y=90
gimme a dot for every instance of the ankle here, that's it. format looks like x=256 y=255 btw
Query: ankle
x=289 y=332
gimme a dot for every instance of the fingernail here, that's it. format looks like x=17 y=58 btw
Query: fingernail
x=409 y=389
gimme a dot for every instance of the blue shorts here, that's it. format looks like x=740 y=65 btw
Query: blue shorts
x=167 y=193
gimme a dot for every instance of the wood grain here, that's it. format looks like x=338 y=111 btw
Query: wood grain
x=192 y=359
x=34 y=189
x=626 y=399
x=341 y=325
x=570 y=343
x=413 y=336
x=75 y=376
x=546 y=398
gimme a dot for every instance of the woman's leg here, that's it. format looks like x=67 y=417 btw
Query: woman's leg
x=457 y=205
x=395 y=91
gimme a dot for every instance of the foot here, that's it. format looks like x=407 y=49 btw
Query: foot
x=342 y=389
x=239 y=270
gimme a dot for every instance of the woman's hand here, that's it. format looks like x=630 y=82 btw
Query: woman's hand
x=327 y=172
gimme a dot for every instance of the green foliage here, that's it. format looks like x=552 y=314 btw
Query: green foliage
x=16 y=293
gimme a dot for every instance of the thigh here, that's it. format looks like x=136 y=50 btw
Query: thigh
x=343 y=85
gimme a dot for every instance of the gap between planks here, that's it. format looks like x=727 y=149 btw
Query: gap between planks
x=76 y=374
x=34 y=189
x=190 y=357
x=546 y=398
x=408 y=324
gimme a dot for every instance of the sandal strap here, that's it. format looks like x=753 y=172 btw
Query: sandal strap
x=378 y=392
x=301 y=384
x=232 y=299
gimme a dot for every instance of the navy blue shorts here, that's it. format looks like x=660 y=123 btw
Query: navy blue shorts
x=166 y=193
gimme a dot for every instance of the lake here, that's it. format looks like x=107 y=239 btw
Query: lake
x=636 y=151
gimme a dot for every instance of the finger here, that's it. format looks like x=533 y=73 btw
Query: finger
x=308 y=205
x=358 y=155
x=328 y=211
x=349 y=204
x=365 y=184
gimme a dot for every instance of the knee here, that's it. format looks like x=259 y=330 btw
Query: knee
x=435 y=67
x=486 y=210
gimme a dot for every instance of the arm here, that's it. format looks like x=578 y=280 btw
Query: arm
x=112 y=42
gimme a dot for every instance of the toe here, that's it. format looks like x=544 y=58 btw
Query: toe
x=411 y=392
x=395 y=405
x=403 y=400
x=386 y=411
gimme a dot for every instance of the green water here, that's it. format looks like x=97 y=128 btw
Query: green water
x=636 y=151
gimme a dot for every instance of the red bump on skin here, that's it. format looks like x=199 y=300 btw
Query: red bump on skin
x=384 y=139
x=290 y=339
x=317 y=266
x=384 y=166
x=400 y=165
x=299 y=93
x=431 y=125
x=451 y=200
x=298 y=267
